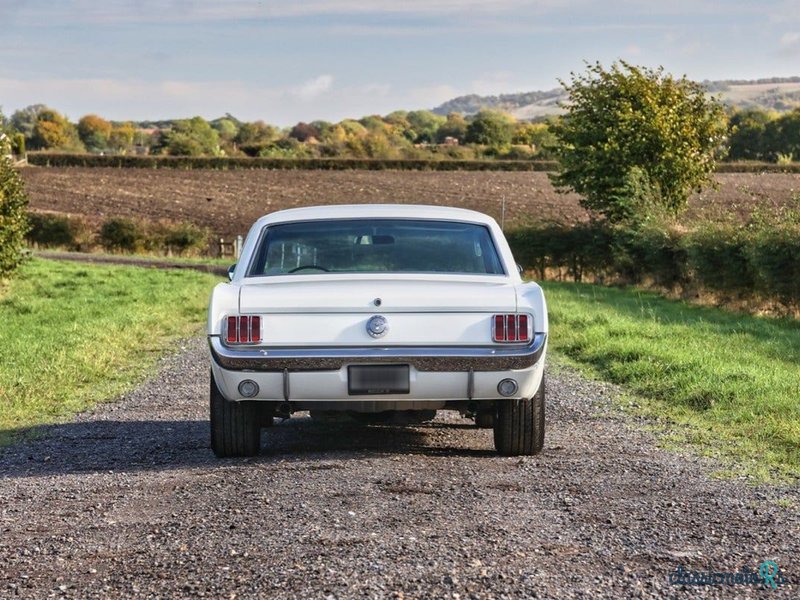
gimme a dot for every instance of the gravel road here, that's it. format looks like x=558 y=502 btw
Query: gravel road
x=128 y=501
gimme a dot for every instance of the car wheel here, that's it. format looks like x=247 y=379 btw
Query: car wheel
x=235 y=426
x=519 y=425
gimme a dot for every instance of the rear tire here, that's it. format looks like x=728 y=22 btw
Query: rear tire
x=519 y=425
x=235 y=426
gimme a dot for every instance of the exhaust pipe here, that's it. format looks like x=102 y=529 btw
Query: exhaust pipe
x=472 y=408
x=284 y=410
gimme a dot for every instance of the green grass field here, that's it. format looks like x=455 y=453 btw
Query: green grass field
x=72 y=335
x=727 y=382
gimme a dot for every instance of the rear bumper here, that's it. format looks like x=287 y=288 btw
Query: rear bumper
x=424 y=358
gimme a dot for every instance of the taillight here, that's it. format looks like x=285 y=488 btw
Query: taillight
x=243 y=330
x=510 y=328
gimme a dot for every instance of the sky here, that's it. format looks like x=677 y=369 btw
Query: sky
x=285 y=61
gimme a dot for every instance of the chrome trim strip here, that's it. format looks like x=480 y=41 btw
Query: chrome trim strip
x=424 y=358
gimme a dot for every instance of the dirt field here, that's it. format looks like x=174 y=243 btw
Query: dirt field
x=229 y=201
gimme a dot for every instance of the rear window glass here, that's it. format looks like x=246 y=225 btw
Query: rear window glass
x=375 y=246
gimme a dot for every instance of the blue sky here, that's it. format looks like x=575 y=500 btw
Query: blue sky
x=291 y=60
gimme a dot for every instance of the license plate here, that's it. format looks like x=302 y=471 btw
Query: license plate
x=377 y=379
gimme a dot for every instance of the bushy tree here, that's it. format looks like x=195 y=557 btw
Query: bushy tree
x=53 y=131
x=455 y=126
x=13 y=219
x=94 y=132
x=633 y=128
x=255 y=133
x=746 y=134
x=782 y=137
x=303 y=132
x=425 y=124
x=122 y=137
x=24 y=119
x=491 y=128
x=190 y=137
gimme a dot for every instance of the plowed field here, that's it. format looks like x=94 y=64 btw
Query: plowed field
x=229 y=201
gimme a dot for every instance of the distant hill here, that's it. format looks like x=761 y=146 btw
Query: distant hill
x=778 y=93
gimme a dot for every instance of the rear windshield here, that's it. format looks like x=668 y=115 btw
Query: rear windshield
x=375 y=246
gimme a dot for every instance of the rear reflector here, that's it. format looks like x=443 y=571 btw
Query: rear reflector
x=243 y=330
x=510 y=328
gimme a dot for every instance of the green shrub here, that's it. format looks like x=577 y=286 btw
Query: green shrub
x=13 y=217
x=122 y=234
x=718 y=258
x=57 y=230
x=184 y=238
x=774 y=257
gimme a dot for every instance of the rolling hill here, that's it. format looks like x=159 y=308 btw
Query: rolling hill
x=778 y=93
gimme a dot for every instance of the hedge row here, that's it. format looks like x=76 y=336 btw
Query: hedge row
x=47 y=159
x=759 y=261
x=43 y=159
x=50 y=230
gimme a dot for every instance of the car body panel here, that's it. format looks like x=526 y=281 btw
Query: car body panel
x=315 y=325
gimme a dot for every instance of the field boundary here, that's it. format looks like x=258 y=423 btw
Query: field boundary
x=44 y=159
x=52 y=159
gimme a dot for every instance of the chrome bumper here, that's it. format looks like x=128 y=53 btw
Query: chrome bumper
x=423 y=358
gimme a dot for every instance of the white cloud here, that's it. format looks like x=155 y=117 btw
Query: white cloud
x=790 y=41
x=314 y=87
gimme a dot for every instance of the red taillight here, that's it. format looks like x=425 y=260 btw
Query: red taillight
x=243 y=330
x=511 y=328
x=499 y=328
x=231 y=336
x=522 y=327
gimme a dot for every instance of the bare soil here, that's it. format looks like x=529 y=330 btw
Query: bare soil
x=229 y=201
x=128 y=501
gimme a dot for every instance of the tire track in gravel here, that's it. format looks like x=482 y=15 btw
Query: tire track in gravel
x=128 y=501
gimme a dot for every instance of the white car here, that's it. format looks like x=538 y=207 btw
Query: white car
x=384 y=312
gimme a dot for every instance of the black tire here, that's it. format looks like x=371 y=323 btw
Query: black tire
x=235 y=426
x=519 y=425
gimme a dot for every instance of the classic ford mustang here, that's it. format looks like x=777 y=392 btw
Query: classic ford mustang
x=387 y=313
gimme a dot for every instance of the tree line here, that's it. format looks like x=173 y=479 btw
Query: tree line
x=400 y=134
x=751 y=134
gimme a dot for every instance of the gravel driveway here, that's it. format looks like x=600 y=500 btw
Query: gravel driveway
x=129 y=501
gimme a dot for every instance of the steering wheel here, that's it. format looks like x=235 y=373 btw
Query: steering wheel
x=301 y=267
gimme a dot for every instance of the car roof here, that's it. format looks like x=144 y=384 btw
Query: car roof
x=384 y=211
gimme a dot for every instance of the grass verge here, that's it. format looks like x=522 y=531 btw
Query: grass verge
x=74 y=334
x=728 y=383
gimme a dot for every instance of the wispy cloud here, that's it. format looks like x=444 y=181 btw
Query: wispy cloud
x=314 y=87
x=790 y=44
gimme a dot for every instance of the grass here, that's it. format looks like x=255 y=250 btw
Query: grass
x=73 y=335
x=728 y=383
x=189 y=260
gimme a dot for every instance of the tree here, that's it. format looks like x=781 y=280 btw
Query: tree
x=24 y=119
x=303 y=132
x=455 y=127
x=13 y=214
x=94 y=132
x=425 y=124
x=782 y=137
x=634 y=136
x=491 y=128
x=746 y=134
x=121 y=138
x=255 y=133
x=226 y=128
x=53 y=131
x=190 y=137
